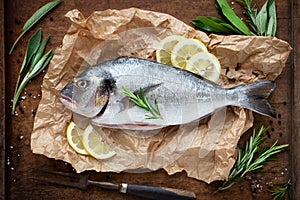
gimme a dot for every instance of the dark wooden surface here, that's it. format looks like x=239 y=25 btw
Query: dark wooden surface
x=295 y=114
x=18 y=164
x=2 y=103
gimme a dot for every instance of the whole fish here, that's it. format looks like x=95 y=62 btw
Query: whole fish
x=181 y=96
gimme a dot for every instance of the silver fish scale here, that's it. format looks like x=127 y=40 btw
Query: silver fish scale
x=176 y=86
x=182 y=97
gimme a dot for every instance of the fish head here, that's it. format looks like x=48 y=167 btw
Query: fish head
x=87 y=94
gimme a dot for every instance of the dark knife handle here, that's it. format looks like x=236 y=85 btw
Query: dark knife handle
x=158 y=193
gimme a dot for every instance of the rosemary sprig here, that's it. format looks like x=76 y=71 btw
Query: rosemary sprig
x=251 y=12
x=34 y=19
x=36 y=61
x=142 y=102
x=280 y=192
x=251 y=160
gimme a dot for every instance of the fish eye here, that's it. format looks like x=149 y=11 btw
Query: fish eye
x=82 y=83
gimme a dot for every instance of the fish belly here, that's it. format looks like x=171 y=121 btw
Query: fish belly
x=176 y=106
x=135 y=118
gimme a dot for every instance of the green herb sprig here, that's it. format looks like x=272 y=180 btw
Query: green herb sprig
x=251 y=159
x=142 y=102
x=232 y=17
x=231 y=24
x=281 y=190
x=251 y=12
x=35 y=60
x=263 y=23
x=34 y=19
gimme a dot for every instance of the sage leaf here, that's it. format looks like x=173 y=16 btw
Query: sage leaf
x=39 y=52
x=272 y=21
x=41 y=64
x=35 y=18
x=261 y=20
x=34 y=56
x=32 y=47
x=232 y=17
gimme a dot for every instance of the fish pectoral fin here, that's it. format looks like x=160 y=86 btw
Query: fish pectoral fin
x=147 y=89
x=125 y=102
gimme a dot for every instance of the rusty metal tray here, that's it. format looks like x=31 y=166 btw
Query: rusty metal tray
x=18 y=163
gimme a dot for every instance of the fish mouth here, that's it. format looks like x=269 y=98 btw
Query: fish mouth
x=72 y=105
x=66 y=100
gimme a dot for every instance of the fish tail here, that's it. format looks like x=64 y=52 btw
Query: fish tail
x=254 y=97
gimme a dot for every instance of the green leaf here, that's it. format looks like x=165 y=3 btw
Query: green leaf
x=215 y=19
x=271 y=29
x=35 y=18
x=232 y=17
x=219 y=10
x=38 y=68
x=46 y=63
x=41 y=64
x=205 y=27
x=233 y=29
x=261 y=20
x=272 y=21
x=39 y=53
x=18 y=92
x=39 y=14
x=32 y=47
x=214 y=24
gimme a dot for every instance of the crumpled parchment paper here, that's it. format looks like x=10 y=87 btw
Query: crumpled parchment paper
x=204 y=149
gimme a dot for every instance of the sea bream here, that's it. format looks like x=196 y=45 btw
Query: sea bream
x=182 y=97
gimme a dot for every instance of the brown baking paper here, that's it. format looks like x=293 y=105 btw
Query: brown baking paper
x=204 y=149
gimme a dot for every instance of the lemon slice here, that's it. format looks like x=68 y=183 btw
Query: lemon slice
x=206 y=65
x=165 y=47
x=184 y=50
x=74 y=137
x=94 y=144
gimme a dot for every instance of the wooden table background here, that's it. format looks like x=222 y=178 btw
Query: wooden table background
x=18 y=163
